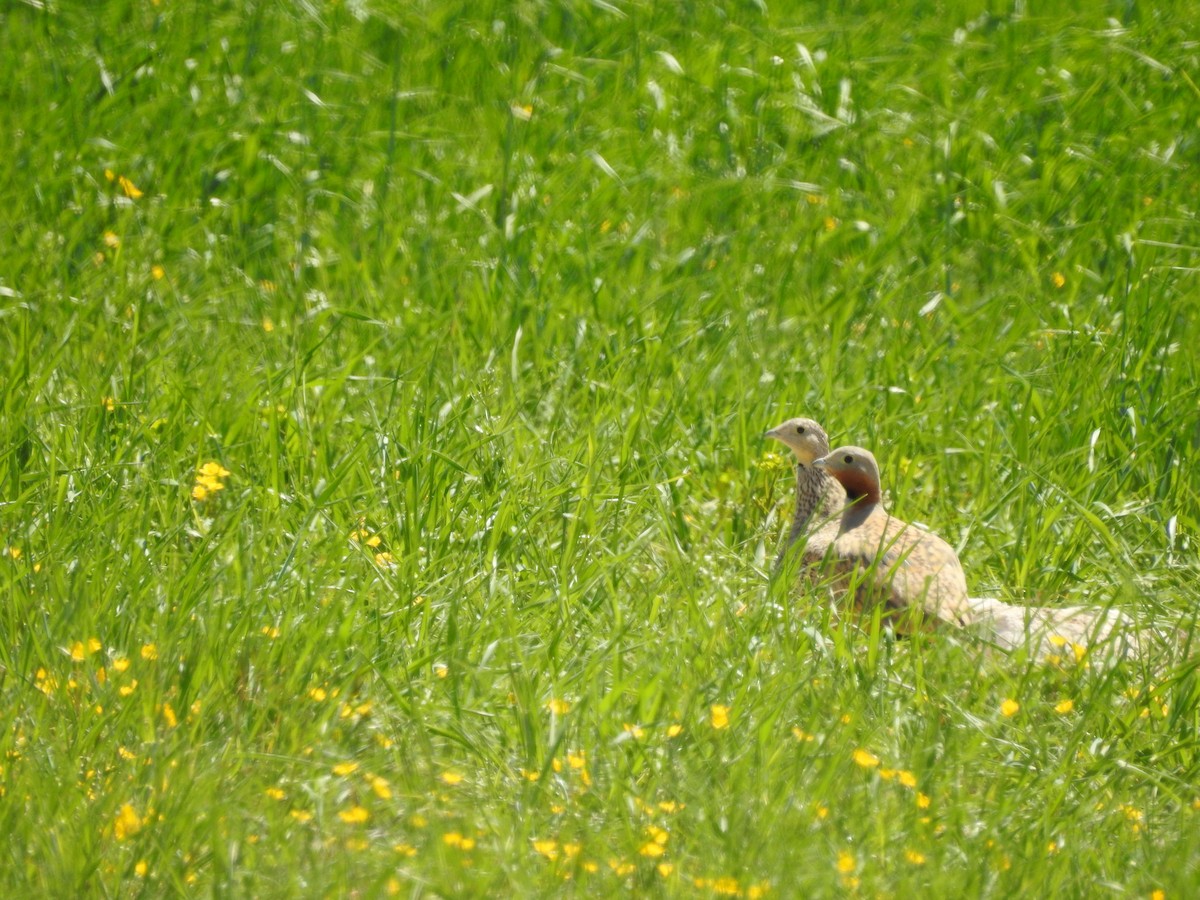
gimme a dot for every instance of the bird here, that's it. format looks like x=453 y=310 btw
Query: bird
x=886 y=559
x=820 y=498
x=907 y=568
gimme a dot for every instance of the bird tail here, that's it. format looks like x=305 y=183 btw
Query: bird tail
x=1055 y=631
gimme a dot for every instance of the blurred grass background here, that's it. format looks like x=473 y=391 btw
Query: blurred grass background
x=483 y=307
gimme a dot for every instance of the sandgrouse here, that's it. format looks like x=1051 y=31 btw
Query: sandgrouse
x=888 y=559
x=903 y=566
x=820 y=498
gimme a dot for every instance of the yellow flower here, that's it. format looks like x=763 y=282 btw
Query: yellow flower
x=126 y=689
x=109 y=404
x=141 y=868
x=908 y=779
x=405 y=850
x=168 y=714
x=199 y=493
x=267 y=325
x=577 y=760
x=1064 y=706
x=276 y=793
x=1058 y=279
x=674 y=730
x=570 y=851
x=301 y=815
x=1009 y=708
x=149 y=651
x=345 y=768
x=923 y=800
x=355 y=815
x=914 y=857
x=558 y=706
x=547 y=848
x=650 y=848
x=719 y=716
x=845 y=862
x=111 y=240
x=380 y=786
x=454 y=839
x=130 y=189
x=318 y=694
x=157 y=273
x=78 y=651
x=1132 y=813
x=451 y=777
x=1158 y=895
x=865 y=758
x=801 y=735
x=633 y=730
x=128 y=823
x=665 y=869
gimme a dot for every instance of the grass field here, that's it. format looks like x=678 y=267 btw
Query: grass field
x=384 y=507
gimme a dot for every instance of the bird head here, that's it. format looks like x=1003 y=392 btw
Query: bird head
x=856 y=469
x=804 y=437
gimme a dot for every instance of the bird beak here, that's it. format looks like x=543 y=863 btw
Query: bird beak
x=823 y=462
x=773 y=433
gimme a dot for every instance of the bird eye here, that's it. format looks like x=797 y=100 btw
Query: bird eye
x=848 y=459
x=799 y=429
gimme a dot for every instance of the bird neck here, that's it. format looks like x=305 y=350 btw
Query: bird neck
x=817 y=493
x=860 y=489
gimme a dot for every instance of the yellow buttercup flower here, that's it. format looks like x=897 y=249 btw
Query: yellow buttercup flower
x=719 y=716
x=865 y=758
x=128 y=823
x=355 y=815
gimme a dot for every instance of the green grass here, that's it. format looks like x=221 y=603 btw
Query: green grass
x=516 y=287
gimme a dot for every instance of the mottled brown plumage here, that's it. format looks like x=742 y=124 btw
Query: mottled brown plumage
x=820 y=498
x=888 y=560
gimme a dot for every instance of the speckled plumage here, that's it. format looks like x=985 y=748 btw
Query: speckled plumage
x=820 y=498
x=891 y=561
